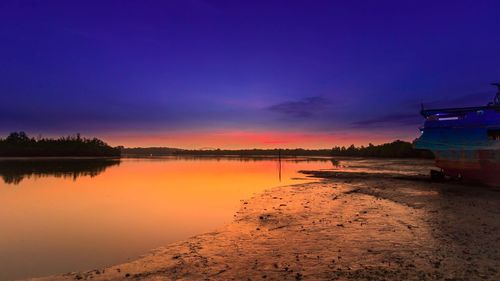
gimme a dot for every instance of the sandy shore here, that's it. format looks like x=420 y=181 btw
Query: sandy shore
x=347 y=226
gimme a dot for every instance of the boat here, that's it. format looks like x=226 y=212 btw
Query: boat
x=465 y=141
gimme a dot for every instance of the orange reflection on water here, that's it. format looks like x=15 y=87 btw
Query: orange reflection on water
x=54 y=224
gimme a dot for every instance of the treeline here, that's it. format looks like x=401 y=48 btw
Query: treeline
x=168 y=151
x=396 y=149
x=157 y=151
x=18 y=144
x=260 y=152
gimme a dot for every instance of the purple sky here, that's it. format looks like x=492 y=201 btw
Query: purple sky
x=144 y=70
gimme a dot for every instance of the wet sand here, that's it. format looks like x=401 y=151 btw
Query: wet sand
x=349 y=225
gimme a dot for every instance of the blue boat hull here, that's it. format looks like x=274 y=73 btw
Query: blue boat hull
x=465 y=143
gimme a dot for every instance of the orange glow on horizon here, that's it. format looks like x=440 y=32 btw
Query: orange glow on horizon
x=252 y=139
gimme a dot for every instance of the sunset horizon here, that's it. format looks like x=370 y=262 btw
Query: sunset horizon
x=128 y=74
x=279 y=140
x=234 y=139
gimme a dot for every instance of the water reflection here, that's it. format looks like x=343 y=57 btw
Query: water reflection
x=16 y=170
x=279 y=160
x=79 y=215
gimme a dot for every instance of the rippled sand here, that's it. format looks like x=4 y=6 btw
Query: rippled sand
x=356 y=223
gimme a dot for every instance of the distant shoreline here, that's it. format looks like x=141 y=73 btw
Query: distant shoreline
x=257 y=156
x=262 y=156
x=19 y=144
x=58 y=157
x=395 y=149
x=232 y=156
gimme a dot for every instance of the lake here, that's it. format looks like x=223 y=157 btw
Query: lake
x=62 y=215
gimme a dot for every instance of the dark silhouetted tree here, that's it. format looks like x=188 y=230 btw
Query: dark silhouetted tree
x=19 y=144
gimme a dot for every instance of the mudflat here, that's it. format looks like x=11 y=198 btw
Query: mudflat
x=350 y=224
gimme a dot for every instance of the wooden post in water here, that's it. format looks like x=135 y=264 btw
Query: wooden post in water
x=279 y=164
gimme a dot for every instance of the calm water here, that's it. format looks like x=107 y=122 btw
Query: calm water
x=58 y=216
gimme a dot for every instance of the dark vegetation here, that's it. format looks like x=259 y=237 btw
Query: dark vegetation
x=18 y=144
x=396 y=149
x=14 y=171
x=156 y=151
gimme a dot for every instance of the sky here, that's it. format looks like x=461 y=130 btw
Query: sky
x=242 y=74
